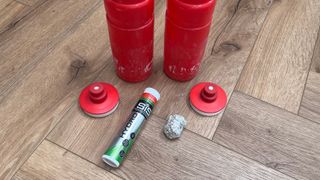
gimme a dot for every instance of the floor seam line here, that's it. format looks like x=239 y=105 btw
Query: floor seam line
x=44 y=137
x=205 y=138
x=280 y=108
x=82 y=157
x=309 y=69
x=51 y=46
x=241 y=73
x=253 y=160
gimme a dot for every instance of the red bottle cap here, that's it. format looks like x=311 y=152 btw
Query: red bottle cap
x=190 y=13
x=129 y=13
x=207 y=99
x=99 y=99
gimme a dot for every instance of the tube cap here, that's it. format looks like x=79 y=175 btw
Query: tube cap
x=207 y=99
x=111 y=161
x=99 y=99
x=153 y=92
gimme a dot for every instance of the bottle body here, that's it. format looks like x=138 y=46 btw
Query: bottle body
x=186 y=33
x=131 y=26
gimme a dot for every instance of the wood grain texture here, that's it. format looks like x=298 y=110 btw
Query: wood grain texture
x=28 y=2
x=315 y=66
x=310 y=105
x=9 y=10
x=277 y=69
x=230 y=25
x=272 y=136
x=32 y=39
x=13 y=12
x=153 y=156
x=50 y=161
x=22 y=131
x=25 y=111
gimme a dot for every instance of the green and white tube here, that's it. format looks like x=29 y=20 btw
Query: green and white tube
x=121 y=145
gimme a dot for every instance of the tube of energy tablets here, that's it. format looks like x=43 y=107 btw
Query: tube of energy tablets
x=121 y=145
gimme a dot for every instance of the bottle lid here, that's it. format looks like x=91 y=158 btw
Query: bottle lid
x=99 y=99
x=129 y=13
x=190 y=13
x=207 y=99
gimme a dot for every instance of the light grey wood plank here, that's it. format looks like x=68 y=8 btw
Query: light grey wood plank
x=278 y=66
x=50 y=161
x=310 y=104
x=272 y=136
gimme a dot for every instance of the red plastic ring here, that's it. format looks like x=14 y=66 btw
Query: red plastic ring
x=99 y=99
x=207 y=99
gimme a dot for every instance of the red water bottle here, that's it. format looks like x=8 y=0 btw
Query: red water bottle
x=186 y=34
x=130 y=24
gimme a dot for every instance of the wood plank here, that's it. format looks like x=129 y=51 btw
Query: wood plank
x=28 y=2
x=50 y=161
x=11 y=12
x=21 y=134
x=277 y=69
x=8 y=11
x=315 y=66
x=153 y=156
x=272 y=136
x=310 y=104
x=229 y=15
x=27 y=44
x=26 y=111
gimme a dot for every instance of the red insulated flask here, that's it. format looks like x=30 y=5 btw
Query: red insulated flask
x=186 y=34
x=130 y=24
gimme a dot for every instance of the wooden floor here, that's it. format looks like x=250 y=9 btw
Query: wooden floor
x=264 y=53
